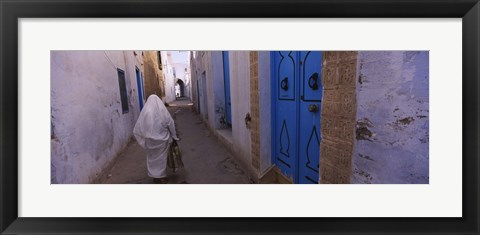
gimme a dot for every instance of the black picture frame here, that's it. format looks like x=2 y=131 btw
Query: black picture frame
x=12 y=10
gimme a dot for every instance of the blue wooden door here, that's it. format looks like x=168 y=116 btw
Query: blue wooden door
x=309 y=111
x=139 y=88
x=226 y=77
x=285 y=123
x=297 y=92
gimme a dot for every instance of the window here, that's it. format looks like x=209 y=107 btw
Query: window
x=159 y=56
x=123 y=90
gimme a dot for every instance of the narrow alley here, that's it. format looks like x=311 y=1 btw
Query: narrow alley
x=242 y=117
x=205 y=160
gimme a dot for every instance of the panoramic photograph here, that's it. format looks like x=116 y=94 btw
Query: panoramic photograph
x=239 y=117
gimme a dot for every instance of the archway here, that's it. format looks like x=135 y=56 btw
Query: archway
x=179 y=88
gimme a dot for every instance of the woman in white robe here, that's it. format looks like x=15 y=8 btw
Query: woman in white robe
x=154 y=131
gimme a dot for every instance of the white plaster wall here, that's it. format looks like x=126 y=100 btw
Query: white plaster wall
x=264 y=86
x=89 y=129
x=188 y=78
x=169 y=79
x=180 y=70
x=194 y=68
x=392 y=118
x=210 y=74
x=240 y=99
x=206 y=100
x=188 y=85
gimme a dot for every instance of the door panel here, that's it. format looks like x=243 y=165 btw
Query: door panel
x=310 y=110
x=298 y=88
x=139 y=88
x=287 y=75
x=226 y=77
x=286 y=109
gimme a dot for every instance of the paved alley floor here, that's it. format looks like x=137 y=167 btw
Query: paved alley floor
x=206 y=160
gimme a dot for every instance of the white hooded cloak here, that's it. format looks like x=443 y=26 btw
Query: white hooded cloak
x=154 y=131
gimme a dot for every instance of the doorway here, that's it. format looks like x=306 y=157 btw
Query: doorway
x=296 y=100
x=179 y=89
x=204 y=95
x=198 y=96
x=139 y=87
x=226 y=78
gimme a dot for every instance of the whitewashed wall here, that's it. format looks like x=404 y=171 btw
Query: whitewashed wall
x=240 y=100
x=205 y=87
x=167 y=63
x=194 y=64
x=88 y=127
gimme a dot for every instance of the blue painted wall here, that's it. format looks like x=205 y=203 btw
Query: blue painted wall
x=392 y=131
